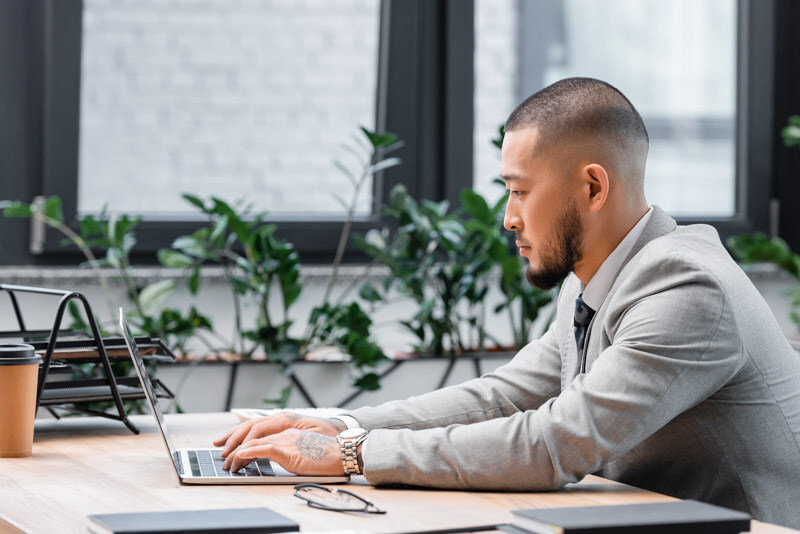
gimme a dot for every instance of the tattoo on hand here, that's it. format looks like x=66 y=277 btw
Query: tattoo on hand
x=312 y=445
x=293 y=416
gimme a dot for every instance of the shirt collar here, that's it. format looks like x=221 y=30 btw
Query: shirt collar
x=596 y=291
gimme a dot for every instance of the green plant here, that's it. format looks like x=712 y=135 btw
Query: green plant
x=758 y=248
x=261 y=267
x=256 y=263
x=113 y=237
x=791 y=132
x=443 y=260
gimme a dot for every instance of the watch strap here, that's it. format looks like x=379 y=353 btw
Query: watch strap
x=349 y=449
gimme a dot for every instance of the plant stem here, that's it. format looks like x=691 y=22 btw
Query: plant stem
x=482 y=322
x=348 y=223
x=207 y=343
x=517 y=337
x=132 y=291
x=87 y=252
x=343 y=240
x=237 y=313
x=375 y=261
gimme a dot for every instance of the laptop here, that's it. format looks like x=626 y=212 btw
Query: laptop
x=204 y=466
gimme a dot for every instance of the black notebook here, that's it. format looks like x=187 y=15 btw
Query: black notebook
x=686 y=517
x=238 y=520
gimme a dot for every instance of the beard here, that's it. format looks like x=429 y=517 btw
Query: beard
x=565 y=250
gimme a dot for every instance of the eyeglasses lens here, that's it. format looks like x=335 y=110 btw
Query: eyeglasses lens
x=332 y=498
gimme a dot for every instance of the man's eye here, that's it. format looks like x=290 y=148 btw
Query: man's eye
x=514 y=193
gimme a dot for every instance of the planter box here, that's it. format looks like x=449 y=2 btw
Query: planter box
x=206 y=388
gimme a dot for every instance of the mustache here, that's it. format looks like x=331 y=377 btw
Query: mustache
x=521 y=239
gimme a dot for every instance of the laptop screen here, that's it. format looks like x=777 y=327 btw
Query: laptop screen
x=144 y=377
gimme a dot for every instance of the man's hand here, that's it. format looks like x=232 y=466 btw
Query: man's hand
x=254 y=429
x=299 y=451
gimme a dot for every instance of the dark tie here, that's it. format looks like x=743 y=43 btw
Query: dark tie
x=583 y=316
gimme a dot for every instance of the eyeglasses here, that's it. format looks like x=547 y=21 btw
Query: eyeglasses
x=337 y=500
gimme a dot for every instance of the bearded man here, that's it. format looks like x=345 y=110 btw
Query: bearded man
x=664 y=369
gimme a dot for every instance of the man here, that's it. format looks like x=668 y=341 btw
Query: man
x=664 y=369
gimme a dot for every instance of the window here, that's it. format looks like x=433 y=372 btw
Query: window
x=240 y=100
x=678 y=62
x=442 y=74
x=422 y=75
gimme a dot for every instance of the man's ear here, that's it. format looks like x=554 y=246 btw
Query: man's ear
x=596 y=184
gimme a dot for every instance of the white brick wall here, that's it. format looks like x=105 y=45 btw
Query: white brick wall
x=235 y=98
x=496 y=78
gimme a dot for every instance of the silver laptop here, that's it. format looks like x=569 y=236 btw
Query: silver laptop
x=204 y=466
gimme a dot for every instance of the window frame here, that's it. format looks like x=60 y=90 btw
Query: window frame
x=425 y=95
x=755 y=134
x=752 y=135
x=424 y=81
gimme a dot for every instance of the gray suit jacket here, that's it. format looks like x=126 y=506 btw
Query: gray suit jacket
x=689 y=389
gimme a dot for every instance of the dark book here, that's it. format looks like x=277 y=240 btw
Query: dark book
x=238 y=520
x=686 y=517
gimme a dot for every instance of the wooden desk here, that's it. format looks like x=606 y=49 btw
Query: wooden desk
x=86 y=466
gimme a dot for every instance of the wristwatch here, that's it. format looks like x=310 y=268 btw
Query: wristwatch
x=349 y=440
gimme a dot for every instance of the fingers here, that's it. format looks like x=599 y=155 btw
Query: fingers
x=264 y=429
x=234 y=430
x=235 y=438
x=245 y=455
x=249 y=431
x=223 y=439
x=298 y=451
x=244 y=431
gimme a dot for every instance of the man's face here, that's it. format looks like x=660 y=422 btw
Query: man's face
x=541 y=210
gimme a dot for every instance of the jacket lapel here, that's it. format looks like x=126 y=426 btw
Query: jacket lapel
x=659 y=225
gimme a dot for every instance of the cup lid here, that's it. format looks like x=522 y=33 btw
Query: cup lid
x=18 y=354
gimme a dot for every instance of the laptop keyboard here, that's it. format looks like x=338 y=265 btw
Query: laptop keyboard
x=208 y=463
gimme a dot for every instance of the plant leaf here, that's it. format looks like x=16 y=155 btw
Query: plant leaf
x=196 y=201
x=382 y=165
x=194 y=280
x=114 y=257
x=15 y=209
x=52 y=208
x=369 y=293
x=174 y=259
x=368 y=382
x=476 y=205
x=151 y=297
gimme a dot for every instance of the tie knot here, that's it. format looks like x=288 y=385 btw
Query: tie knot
x=583 y=313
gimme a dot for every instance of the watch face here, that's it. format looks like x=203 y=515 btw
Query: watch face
x=352 y=433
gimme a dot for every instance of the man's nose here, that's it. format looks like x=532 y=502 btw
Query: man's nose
x=511 y=220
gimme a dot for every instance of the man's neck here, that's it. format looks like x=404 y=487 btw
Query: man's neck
x=603 y=241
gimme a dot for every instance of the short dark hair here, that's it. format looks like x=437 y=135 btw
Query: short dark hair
x=578 y=108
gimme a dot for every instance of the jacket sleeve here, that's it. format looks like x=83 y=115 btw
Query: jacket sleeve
x=527 y=381
x=672 y=347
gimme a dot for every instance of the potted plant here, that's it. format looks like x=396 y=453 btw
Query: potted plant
x=758 y=248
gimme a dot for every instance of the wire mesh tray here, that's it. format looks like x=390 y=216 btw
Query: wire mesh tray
x=85 y=350
x=97 y=390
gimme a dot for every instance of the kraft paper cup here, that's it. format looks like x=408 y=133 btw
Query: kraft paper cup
x=19 y=376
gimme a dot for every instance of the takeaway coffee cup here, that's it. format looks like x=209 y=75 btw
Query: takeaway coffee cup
x=19 y=373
